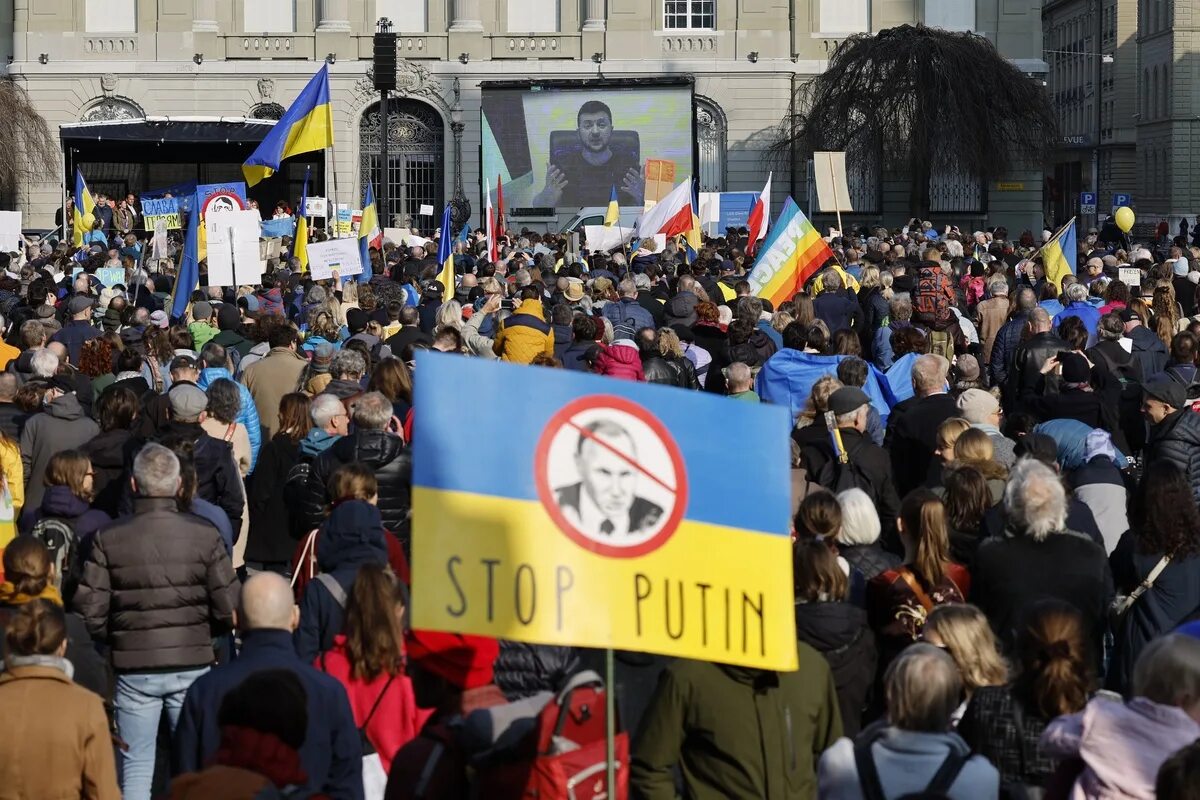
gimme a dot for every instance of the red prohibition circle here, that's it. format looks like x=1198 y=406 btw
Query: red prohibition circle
x=541 y=463
x=212 y=198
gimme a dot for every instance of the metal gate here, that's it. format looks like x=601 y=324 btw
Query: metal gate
x=416 y=161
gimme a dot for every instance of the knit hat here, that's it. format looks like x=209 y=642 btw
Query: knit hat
x=463 y=661
x=159 y=319
x=356 y=320
x=976 y=405
x=966 y=367
x=228 y=317
x=202 y=310
x=322 y=358
x=1181 y=267
x=1075 y=368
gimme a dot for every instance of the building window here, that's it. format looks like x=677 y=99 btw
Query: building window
x=844 y=17
x=533 y=16
x=269 y=16
x=951 y=15
x=689 y=15
x=407 y=16
x=111 y=16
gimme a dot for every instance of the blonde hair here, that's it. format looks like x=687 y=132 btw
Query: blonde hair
x=949 y=431
x=818 y=400
x=968 y=637
x=780 y=320
x=668 y=343
x=975 y=448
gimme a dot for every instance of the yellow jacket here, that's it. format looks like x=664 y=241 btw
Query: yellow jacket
x=524 y=334
x=14 y=479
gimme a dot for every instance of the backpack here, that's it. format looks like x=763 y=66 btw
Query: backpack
x=930 y=302
x=58 y=535
x=295 y=483
x=938 y=787
x=559 y=754
x=838 y=477
x=1192 y=388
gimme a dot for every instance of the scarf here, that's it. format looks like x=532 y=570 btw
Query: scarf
x=11 y=597
x=14 y=661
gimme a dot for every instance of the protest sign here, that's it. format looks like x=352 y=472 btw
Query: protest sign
x=10 y=232
x=164 y=210
x=233 y=248
x=216 y=197
x=345 y=220
x=316 y=207
x=394 y=235
x=111 y=276
x=275 y=228
x=158 y=242
x=340 y=254
x=1130 y=276
x=269 y=248
x=611 y=525
x=602 y=238
x=426 y=210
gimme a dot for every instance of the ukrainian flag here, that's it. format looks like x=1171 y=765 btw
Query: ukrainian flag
x=189 y=268
x=369 y=234
x=1059 y=254
x=613 y=215
x=85 y=206
x=306 y=126
x=300 y=243
x=701 y=565
x=445 y=255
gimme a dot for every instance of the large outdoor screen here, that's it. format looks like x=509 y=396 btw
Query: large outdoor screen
x=565 y=148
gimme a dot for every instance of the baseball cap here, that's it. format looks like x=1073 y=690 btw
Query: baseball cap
x=187 y=401
x=183 y=362
x=847 y=399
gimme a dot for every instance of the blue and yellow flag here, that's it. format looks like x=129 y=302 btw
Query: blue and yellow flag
x=693 y=239
x=306 y=126
x=613 y=215
x=1060 y=253
x=189 y=268
x=612 y=524
x=83 y=217
x=369 y=234
x=300 y=242
x=445 y=255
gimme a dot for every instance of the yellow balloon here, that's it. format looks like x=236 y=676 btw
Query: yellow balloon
x=88 y=221
x=1125 y=218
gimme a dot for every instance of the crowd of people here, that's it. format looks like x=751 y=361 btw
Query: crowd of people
x=206 y=522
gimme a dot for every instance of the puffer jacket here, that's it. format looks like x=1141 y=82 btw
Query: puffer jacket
x=1177 y=439
x=387 y=456
x=524 y=334
x=155 y=587
x=620 y=360
x=523 y=670
x=352 y=537
x=247 y=413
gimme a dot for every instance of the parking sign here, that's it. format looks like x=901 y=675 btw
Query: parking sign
x=1119 y=200
x=1087 y=202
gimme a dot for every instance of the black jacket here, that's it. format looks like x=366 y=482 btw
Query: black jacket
x=1027 y=364
x=155 y=586
x=12 y=419
x=912 y=437
x=522 y=669
x=839 y=631
x=391 y=461
x=272 y=538
x=868 y=559
x=217 y=478
x=109 y=453
x=1149 y=350
x=658 y=371
x=1177 y=439
x=873 y=463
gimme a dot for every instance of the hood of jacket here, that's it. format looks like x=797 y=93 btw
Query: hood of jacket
x=352 y=536
x=531 y=307
x=682 y=308
x=828 y=626
x=341 y=389
x=316 y=442
x=59 y=501
x=620 y=358
x=66 y=408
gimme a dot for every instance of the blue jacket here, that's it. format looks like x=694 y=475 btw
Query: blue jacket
x=73 y=335
x=631 y=310
x=332 y=750
x=247 y=415
x=352 y=536
x=1087 y=312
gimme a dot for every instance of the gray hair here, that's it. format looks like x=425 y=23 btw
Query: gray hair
x=1035 y=499
x=449 y=315
x=44 y=363
x=156 y=471
x=923 y=688
x=627 y=288
x=1077 y=293
x=860 y=520
x=324 y=408
x=347 y=362
x=372 y=411
x=831 y=281
x=214 y=355
x=522 y=277
x=998 y=287
x=901 y=307
x=738 y=374
x=929 y=373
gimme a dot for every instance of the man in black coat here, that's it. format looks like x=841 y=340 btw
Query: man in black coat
x=869 y=467
x=1042 y=345
x=1148 y=349
x=913 y=424
x=1174 y=429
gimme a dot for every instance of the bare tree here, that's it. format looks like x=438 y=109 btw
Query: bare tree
x=922 y=99
x=29 y=151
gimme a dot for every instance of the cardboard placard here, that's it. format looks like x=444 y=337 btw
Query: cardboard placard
x=233 y=252
x=335 y=254
x=829 y=175
x=1130 y=276
x=426 y=210
x=10 y=232
x=660 y=179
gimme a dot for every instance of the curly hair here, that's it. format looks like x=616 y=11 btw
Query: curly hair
x=96 y=358
x=1165 y=517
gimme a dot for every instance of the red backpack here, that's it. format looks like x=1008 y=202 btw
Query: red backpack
x=931 y=301
x=553 y=749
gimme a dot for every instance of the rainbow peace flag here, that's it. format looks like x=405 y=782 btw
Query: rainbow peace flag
x=791 y=255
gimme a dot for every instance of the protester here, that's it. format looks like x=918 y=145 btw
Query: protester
x=962 y=631
x=272 y=536
x=63 y=425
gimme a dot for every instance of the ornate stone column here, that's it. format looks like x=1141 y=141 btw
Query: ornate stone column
x=465 y=16
x=334 y=16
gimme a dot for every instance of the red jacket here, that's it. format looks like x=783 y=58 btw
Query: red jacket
x=620 y=361
x=396 y=721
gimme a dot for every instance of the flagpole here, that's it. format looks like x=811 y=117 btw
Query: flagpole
x=333 y=167
x=837 y=207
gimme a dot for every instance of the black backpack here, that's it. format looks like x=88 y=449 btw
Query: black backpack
x=295 y=484
x=838 y=477
x=872 y=788
x=1192 y=387
x=58 y=535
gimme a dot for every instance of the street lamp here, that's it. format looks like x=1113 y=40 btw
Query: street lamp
x=460 y=207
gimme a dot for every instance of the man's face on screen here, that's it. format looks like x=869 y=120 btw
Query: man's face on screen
x=595 y=130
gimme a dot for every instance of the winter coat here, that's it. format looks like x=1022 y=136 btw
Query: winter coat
x=73 y=335
x=12 y=419
x=269 y=379
x=65 y=754
x=232 y=340
x=1087 y=313
x=989 y=727
x=332 y=751
x=575 y=355
x=1148 y=350
x=352 y=536
x=523 y=670
x=247 y=412
x=109 y=455
x=218 y=479
x=990 y=316
x=869 y=559
x=387 y=456
x=272 y=536
x=620 y=360
x=911 y=437
x=628 y=312
x=62 y=426
x=906 y=762
x=91 y=669
x=836 y=309
x=1004 y=349
x=1172 y=600
x=257 y=353
x=1012 y=573
x=524 y=334
x=736 y=732
x=1122 y=745
x=155 y=586
x=58 y=502
x=840 y=633
x=681 y=309
x=871 y=461
x=1027 y=365
x=1099 y=485
x=896 y=613
x=1176 y=439
x=388 y=700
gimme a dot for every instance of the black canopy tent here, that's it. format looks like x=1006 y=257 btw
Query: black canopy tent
x=138 y=155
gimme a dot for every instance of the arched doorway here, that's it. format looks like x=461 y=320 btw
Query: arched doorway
x=711 y=133
x=416 y=159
